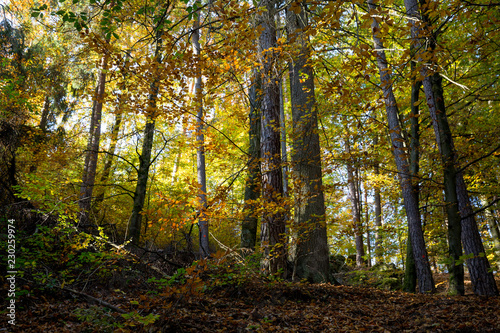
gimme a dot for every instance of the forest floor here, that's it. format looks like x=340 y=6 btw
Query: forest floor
x=254 y=307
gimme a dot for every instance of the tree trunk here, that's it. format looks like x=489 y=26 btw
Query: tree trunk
x=355 y=208
x=410 y=280
x=311 y=256
x=482 y=278
x=424 y=275
x=493 y=223
x=378 y=219
x=110 y=157
x=134 y=227
x=252 y=187
x=367 y=224
x=455 y=189
x=200 y=153
x=90 y=166
x=44 y=119
x=272 y=178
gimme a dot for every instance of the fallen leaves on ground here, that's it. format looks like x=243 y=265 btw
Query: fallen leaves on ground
x=262 y=307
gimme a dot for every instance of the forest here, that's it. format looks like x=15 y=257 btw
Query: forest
x=264 y=165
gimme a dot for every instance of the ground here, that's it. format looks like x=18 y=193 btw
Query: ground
x=254 y=307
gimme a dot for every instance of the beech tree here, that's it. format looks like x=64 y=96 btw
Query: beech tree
x=424 y=276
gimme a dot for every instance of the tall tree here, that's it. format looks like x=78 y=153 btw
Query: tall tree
x=271 y=168
x=92 y=152
x=311 y=255
x=461 y=222
x=252 y=186
x=424 y=275
x=134 y=227
x=200 y=141
x=410 y=279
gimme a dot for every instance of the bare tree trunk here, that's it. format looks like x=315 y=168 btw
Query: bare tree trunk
x=272 y=178
x=355 y=208
x=311 y=257
x=200 y=153
x=455 y=189
x=424 y=275
x=90 y=166
x=252 y=187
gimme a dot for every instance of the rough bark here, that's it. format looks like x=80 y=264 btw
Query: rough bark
x=91 y=157
x=311 y=256
x=252 y=187
x=424 y=275
x=455 y=190
x=271 y=166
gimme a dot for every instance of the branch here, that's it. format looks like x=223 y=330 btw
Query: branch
x=93 y=299
x=481 y=209
x=478 y=159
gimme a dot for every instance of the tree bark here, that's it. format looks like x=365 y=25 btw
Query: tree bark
x=493 y=223
x=271 y=167
x=311 y=256
x=458 y=202
x=200 y=153
x=252 y=187
x=134 y=227
x=355 y=208
x=91 y=157
x=368 y=238
x=424 y=275
x=410 y=279
x=378 y=219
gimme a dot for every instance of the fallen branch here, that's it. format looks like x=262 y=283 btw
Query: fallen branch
x=97 y=300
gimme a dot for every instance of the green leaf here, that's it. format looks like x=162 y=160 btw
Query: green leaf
x=35 y=14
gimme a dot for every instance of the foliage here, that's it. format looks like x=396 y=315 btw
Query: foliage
x=382 y=276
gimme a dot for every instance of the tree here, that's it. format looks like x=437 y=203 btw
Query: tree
x=424 y=276
x=461 y=225
x=252 y=186
x=200 y=140
x=134 y=227
x=353 y=185
x=92 y=152
x=311 y=257
x=272 y=179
